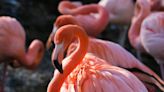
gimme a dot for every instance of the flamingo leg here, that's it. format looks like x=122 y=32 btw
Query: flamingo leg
x=123 y=35
x=138 y=54
x=3 y=77
x=162 y=70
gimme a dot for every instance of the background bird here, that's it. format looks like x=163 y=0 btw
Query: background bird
x=148 y=26
x=85 y=72
x=12 y=47
x=11 y=33
x=93 y=17
x=119 y=15
x=152 y=37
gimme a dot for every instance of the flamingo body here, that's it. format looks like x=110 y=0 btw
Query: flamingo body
x=94 y=74
x=84 y=72
x=110 y=52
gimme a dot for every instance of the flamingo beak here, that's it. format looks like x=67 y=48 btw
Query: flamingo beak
x=50 y=38
x=58 y=66
x=55 y=62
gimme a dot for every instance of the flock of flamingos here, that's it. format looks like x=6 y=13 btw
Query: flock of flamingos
x=85 y=63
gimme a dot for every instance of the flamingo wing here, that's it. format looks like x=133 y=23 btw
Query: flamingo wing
x=95 y=75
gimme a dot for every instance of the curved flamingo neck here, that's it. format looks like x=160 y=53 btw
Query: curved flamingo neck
x=134 y=31
x=100 y=18
x=33 y=56
x=99 y=21
x=65 y=6
x=65 y=20
x=70 y=62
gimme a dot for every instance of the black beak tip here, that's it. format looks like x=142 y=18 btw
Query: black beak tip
x=58 y=66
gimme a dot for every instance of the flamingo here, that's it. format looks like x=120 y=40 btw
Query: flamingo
x=118 y=14
x=124 y=13
x=84 y=72
x=152 y=37
x=108 y=51
x=134 y=33
x=146 y=32
x=12 y=47
x=92 y=17
x=141 y=12
x=12 y=35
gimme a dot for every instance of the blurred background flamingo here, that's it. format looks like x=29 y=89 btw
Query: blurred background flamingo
x=11 y=33
x=109 y=51
x=134 y=30
x=92 y=17
x=82 y=72
x=152 y=37
x=146 y=31
x=118 y=14
x=12 y=47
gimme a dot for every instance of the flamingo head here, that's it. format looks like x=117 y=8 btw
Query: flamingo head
x=60 y=21
x=57 y=51
x=64 y=20
x=62 y=41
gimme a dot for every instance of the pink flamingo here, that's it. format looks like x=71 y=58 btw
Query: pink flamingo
x=92 y=17
x=84 y=72
x=152 y=37
x=134 y=33
x=108 y=51
x=12 y=47
x=12 y=35
x=118 y=13
x=146 y=31
x=123 y=13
